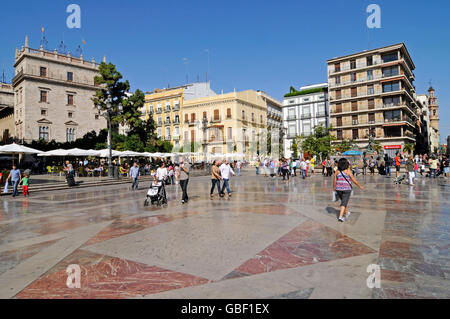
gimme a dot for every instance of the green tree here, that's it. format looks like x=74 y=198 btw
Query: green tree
x=408 y=148
x=318 y=143
x=109 y=80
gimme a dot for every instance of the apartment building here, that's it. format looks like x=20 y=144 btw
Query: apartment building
x=166 y=108
x=6 y=112
x=274 y=111
x=52 y=96
x=372 y=93
x=226 y=123
x=303 y=110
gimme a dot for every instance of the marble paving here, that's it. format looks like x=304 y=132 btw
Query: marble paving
x=271 y=239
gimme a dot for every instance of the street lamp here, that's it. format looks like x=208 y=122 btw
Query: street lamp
x=282 y=134
x=109 y=112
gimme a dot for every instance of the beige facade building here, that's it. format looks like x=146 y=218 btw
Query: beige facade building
x=52 y=95
x=166 y=108
x=6 y=112
x=234 y=122
x=372 y=93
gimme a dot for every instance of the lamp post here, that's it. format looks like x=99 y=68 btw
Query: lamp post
x=204 y=128
x=282 y=134
x=109 y=112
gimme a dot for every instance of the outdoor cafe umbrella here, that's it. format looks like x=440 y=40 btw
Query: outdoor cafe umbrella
x=105 y=153
x=57 y=152
x=81 y=152
x=17 y=149
x=130 y=154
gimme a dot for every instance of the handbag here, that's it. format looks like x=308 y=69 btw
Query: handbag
x=335 y=198
x=6 y=187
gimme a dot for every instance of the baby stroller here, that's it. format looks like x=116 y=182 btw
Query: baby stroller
x=400 y=179
x=156 y=194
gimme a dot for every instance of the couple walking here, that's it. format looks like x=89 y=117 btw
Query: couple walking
x=221 y=172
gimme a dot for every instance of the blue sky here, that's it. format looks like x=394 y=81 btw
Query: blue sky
x=267 y=45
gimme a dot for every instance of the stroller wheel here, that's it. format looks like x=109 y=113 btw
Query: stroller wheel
x=146 y=202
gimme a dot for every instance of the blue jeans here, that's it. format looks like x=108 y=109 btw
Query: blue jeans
x=239 y=171
x=257 y=171
x=215 y=182
x=226 y=185
x=303 y=173
x=15 y=185
x=433 y=172
x=388 y=170
x=135 y=183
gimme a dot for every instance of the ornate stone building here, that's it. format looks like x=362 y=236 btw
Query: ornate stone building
x=6 y=112
x=52 y=93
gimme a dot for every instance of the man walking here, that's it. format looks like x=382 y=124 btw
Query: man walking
x=215 y=178
x=16 y=178
x=397 y=164
x=225 y=171
x=387 y=163
x=184 y=180
x=135 y=175
x=238 y=166
x=410 y=170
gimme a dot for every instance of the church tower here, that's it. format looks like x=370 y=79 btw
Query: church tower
x=434 y=120
x=433 y=106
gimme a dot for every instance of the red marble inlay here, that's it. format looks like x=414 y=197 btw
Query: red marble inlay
x=107 y=277
x=399 y=250
x=397 y=276
x=128 y=226
x=306 y=244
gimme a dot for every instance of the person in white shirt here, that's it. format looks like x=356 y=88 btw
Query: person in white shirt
x=238 y=166
x=225 y=171
x=161 y=172
x=303 y=166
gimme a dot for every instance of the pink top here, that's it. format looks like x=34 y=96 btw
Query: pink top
x=342 y=184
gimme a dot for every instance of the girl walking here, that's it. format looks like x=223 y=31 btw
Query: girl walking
x=342 y=185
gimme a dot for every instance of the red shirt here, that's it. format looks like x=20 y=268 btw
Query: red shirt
x=397 y=161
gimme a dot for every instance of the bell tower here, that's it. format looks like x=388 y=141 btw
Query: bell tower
x=434 y=109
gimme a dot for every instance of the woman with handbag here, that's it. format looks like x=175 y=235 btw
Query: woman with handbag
x=342 y=186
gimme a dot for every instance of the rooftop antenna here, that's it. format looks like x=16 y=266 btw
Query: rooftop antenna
x=62 y=48
x=44 y=42
x=186 y=62
x=79 y=51
x=3 y=75
x=207 y=73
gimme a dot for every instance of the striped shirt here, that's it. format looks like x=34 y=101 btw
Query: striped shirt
x=342 y=184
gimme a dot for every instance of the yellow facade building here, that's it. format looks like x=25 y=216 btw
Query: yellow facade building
x=166 y=105
x=225 y=123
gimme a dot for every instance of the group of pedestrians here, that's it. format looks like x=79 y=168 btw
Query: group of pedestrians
x=174 y=174
x=285 y=167
x=221 y=172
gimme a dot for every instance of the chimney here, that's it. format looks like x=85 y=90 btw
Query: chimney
x=26 y=42
x=104 y=58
